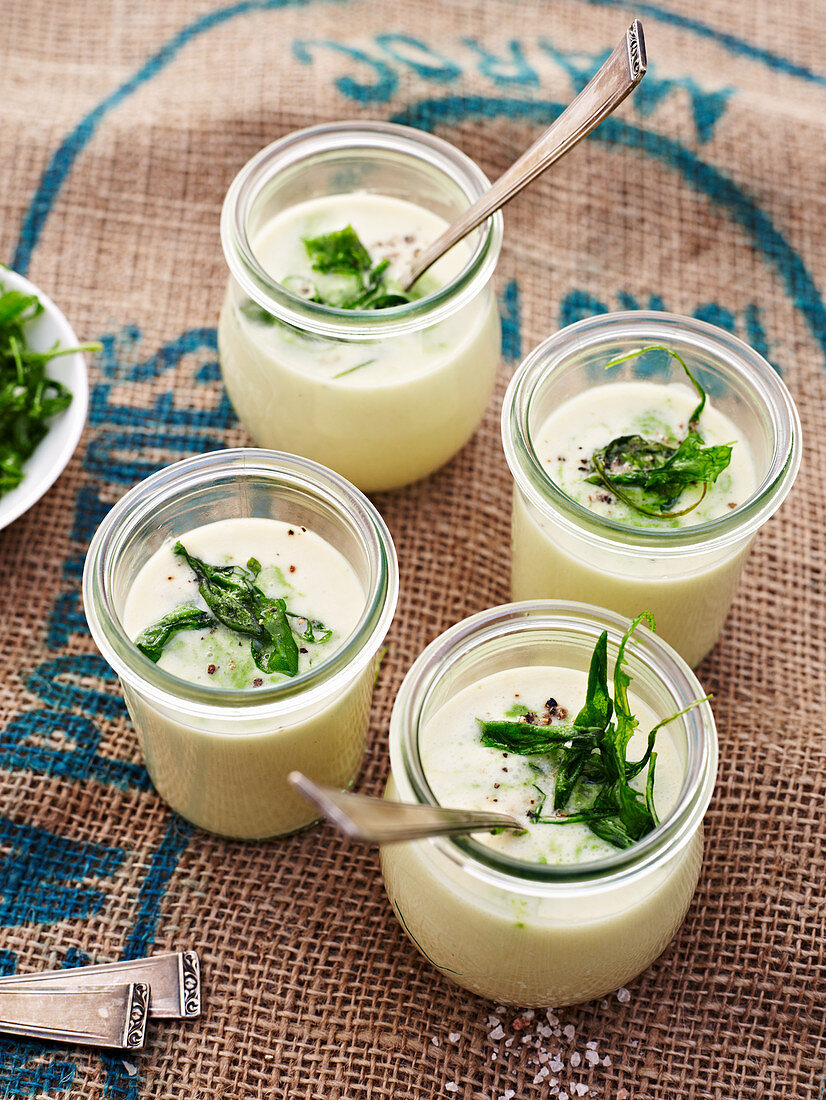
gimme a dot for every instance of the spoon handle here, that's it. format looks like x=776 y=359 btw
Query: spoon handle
x=618 y=76
x=381 y=822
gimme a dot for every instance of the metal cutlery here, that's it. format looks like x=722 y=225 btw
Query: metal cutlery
x=381 y=822
x=620 y=74
x=174 y=980
x=110 y=1017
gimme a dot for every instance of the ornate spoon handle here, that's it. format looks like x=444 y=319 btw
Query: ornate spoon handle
x=110 y=1017
x=620 y=74
x=174 y=979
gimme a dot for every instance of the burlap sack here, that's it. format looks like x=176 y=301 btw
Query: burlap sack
x=123 y=125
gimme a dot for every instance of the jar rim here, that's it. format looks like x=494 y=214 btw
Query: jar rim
x=640 y=326
x=289 y=471
x=650 y=652
x=333 y=138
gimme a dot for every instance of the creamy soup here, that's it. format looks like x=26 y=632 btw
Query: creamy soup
x=461 y=771
x=689 y=594
x=312 y=577
x=230 y=778
x=382 y=412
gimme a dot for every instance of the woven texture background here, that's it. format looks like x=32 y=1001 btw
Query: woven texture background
x=123 y=124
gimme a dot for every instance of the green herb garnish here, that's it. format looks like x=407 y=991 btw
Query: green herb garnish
x=28 y=397
x=235 y=600
x=342 y=253
x=152 y=640
x=658 y=473
x=590 y=754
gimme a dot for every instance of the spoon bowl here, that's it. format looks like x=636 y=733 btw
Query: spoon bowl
x=378 y=821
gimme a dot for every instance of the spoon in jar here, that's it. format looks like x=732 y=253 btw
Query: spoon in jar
x=620 y=74
x=381 y=822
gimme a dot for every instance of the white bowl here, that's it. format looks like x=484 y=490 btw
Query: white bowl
x=57 y=447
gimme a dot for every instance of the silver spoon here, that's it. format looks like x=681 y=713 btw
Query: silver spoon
x=381 y=822
x=620 y=74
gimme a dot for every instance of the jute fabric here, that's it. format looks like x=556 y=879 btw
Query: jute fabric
x=123 y=125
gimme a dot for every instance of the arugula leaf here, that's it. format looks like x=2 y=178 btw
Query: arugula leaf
x=660 y=472
x=152 y=640
x=29 y=398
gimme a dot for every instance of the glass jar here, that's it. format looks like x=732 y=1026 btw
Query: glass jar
x=382 y=396
x=541 y=934
x=220 y=757
x=685 y=575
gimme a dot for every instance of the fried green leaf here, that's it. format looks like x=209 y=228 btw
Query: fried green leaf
x=659 y=473
x=237 y=603
x=342 y=253
x=151 y=641
x=278 y=650
x=338 y=253
x=590 y=754
x=525 y=739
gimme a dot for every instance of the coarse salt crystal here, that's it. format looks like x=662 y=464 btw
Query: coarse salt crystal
x=509 y=1042
x=569 y=1031
x=623 y=996
x=497 y=1032
x=455 y=1036
x=545 y=1032
x=552 y=1018
x=493 y=1021
x=130 y=1068
x=563 y=1096
x=529 y=1014
x=451 y=1086
x=591 y=1044
x=576 y=1058
x=557 y=1065
x=592 y=1057
x=435 y=1041
x=580 y=1089
x=606 y=1061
